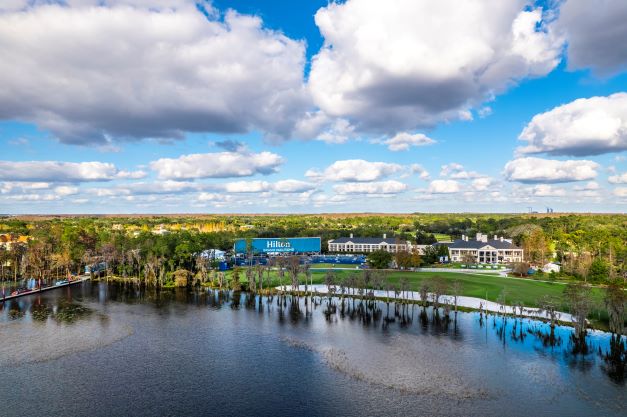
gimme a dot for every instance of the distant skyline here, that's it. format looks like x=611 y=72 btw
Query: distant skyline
x=180 y=106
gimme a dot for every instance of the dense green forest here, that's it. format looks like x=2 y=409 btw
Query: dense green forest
x=589 y=246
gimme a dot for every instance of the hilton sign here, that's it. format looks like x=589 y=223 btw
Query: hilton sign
x=278 y=245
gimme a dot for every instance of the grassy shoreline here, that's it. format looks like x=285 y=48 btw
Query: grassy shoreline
x=527 y=292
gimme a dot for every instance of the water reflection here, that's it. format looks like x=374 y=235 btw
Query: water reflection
x=599 y=350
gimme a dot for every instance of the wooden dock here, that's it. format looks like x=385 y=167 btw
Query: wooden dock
x=80 y=279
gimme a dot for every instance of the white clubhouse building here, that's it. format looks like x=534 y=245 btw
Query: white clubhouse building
x=497 y=251
x=370 y=244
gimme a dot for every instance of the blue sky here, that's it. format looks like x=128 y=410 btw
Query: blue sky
x=138 y=106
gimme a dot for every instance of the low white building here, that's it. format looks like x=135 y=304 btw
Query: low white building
x=551 y=267
x=369 y=244
x=493 y=251
x=214 y=254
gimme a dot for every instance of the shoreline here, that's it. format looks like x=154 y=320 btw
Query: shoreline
x=473 y=303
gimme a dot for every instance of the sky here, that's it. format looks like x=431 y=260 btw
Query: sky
x=277 y=106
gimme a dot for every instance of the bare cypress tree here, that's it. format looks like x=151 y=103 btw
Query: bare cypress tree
x=615 y=300
x=456 y=289
x=281 y=263
x=580 y=302
x=293 y=269
x=259 y=269
x=235 y=279
x=502 y=301
x=329 y=281
x=250 y=277
x=307 y=272
x=221 y=276
x=404 y=287
x=439 y=288
x=424 y=293
x=549 y=305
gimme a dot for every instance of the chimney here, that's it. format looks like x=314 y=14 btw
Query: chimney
x=501 y=238
x=478 y=237
x=496 y=237
x=385 y=235
x=351 y=235
x=463 y=237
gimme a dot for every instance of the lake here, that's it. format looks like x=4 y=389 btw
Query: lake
x=100 y=349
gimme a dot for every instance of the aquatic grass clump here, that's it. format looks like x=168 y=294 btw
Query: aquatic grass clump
x=15 y=314
x=41 y=312
x=70 y=312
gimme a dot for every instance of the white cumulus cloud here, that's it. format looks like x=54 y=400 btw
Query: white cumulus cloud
x=587 y=126
x=590 y=186
x=403 y=64
x=293 y=186
x=91 y=72
x=217 y=165
x=444 y=187
x=355 y=170
x=403 y=141
x=596 y=33
x=65 y=190
x=618 y=179
x=532 y=170
x=247 y=187
x=482 y=184
x=419 y=170
x=132 y=175
x=54 y=171
x=457 y=171
x=547 y=190
x=383 y=187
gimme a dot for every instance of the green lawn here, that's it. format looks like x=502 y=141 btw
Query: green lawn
x=442 y=237
x=479 y=285
x=328 y=265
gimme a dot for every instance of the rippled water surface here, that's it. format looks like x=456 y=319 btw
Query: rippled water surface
x=98 y=349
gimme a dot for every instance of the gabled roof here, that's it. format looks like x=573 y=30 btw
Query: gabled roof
x=474 y=244
x=366 y=240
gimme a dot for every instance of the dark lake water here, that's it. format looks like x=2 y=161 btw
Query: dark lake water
x=102 y=350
